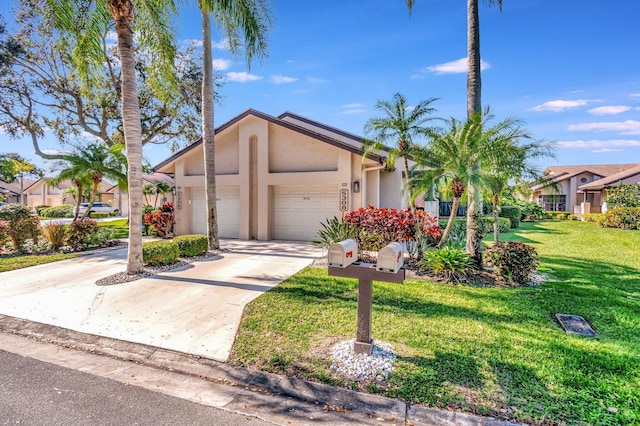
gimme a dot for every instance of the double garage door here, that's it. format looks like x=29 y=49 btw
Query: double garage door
x=228 y=205
x=298 y=210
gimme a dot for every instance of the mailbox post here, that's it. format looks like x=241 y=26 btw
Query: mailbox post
x=389 y=271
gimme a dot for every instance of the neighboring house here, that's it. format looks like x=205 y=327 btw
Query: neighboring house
x=598 y=189
x=279 y=178
x=120 y=199
x=11 y=191
x=40 y=193
x=580 y=189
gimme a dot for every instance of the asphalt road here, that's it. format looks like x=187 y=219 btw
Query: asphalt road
x=33 y=392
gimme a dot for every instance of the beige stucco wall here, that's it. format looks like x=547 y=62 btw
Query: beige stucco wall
x=259 y=155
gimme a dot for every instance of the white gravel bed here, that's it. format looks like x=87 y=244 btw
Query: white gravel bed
x=376 y=366
x=123 y=277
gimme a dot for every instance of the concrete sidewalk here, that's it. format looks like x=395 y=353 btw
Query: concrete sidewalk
x=194 y=309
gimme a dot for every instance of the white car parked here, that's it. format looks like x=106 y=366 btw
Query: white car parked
x=97 y=208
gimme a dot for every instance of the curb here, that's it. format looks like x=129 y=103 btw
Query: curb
x=353 y=407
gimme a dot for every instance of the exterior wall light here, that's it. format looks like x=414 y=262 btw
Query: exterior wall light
x=356 y=186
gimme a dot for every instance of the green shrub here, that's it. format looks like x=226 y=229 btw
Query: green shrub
x=99 y=237
x=624 y=196
x=622 y=218
x=514 y=261
x=530 y=210
x=160 y=252
x=192 y=245
x=333 y=231
x=21 y=223
x=63 y=210
x=593 y=217
x=97 y=215
x=572 y=217
x=56 y=233
x=80 y=230
x=504 y=224
x=549 y=215
x=450 y=263
x=40 y=208
x=562 y=216
x=513 y=213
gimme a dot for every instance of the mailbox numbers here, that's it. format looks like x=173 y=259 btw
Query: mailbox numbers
x=344 y=200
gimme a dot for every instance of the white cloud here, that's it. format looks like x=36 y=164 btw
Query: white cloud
x=221 y=64
x=611 y=144
x=290 y=61
x=242 y=77
x=606 y=150
x=628 y=127
x=353 y=111
x=559 y=105
x=282 y=79
x=609 y=109
x=222 y=44
x=455 y=67
x=351 y=106
x=417 y=77
x=634 y=95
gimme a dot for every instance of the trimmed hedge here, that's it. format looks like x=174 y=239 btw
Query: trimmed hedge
x=160 y=252
x=593 y=217
x=192 y=245
x=622 y=218
x=513 y=213
x=504 y=224
x=55 y=212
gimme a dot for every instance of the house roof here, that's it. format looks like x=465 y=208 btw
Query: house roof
x=8 y=187
x=152 y=178
x=305 y=126
x=555 y=174
x=612 y=180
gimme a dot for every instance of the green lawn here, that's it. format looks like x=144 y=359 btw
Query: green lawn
x=491 y=351
x=120 y=227
x=19 y=262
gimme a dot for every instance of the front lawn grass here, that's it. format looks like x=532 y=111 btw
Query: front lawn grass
x=19 y=262
x=490 y=351
x=119 y=226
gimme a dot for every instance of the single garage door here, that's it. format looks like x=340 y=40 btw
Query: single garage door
x=228 y=205
x=299 y=211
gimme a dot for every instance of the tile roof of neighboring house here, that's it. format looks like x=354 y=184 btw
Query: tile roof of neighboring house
x=330 y=135
x=152 y=178
x=612 y=180
x=10 y=187
x=559 y=173
x=62 y=185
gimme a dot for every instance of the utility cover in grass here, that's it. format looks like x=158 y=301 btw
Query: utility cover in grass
x=575 y=324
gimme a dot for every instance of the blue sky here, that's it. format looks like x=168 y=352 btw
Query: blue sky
x=570 y=69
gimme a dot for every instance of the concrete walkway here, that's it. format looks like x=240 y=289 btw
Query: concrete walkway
x=195 y=309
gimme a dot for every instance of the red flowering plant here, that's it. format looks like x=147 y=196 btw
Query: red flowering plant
x=162 y=220
x=378 y=227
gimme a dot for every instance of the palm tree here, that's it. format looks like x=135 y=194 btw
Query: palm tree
x=160 y=188
x=90 y=164
x=447 y=158
x=399 y=125
x=86 y=21
x=240 y=20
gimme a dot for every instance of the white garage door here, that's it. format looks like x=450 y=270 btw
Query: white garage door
x=299 y=211
x=228 y=205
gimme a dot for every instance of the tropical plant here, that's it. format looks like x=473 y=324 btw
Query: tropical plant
x=85 y=21
x=399 y=125
x=161 y=220
x=21 y=223
x=56 y=233
x=514 y=261
x=334 y=230
x=244 y=23
x=79 y=230
x=450 y=263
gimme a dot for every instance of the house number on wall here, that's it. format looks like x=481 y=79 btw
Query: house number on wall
x=344 y=200
x=178 y=199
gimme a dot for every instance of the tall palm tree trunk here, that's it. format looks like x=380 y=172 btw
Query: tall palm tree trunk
x=452 y=217
x=122 y=11
x=496 y=227
x=474 y=106
x=208 y=133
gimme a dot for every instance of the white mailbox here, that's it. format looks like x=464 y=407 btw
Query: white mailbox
x=390 y=258
x=343 y=254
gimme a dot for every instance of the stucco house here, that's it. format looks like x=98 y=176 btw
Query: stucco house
x=11 y=191
x=120 y=199
x=581 y=189
x=279 y=178
x=41 y=193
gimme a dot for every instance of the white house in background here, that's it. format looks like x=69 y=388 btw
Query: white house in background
x=120 y=199
x=279 y=178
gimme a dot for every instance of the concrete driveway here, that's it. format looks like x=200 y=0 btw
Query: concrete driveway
x=194 y=309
